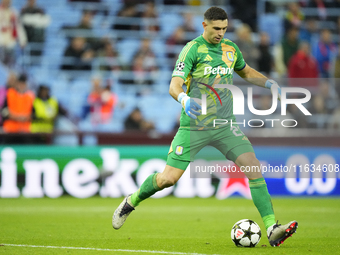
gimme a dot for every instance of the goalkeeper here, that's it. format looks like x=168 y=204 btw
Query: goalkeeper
x=204 y=62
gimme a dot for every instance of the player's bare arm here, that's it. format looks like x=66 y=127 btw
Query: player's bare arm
x=176 y=87
x=191 y=107
x=251 y=75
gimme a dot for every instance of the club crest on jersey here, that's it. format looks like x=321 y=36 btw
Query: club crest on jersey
x=230 y=56
x=180 y=66
x=179 y=150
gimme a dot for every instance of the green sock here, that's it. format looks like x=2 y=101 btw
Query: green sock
x=146 y=190
x=262 y=201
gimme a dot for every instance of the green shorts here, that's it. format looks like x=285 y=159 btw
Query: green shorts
x=229 y=140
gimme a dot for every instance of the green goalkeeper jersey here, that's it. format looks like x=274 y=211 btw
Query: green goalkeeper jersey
x=203 y=65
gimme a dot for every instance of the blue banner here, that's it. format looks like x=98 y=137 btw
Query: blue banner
x=313 y=171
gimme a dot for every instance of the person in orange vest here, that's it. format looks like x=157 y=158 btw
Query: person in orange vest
x=18 y=108
x=102 y=102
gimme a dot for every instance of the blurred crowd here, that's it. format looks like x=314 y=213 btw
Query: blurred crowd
x=307 y=54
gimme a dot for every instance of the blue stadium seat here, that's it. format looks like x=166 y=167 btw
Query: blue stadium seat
x=163 y=111
x=169 y=22
x=197 y=20
x=86 y=125
x=126 y=103
x=159 y=47
x=127 y=48
x=3 y=75
x=66 y=140
x=18 y=4
x=272 y=24
x=113 y=126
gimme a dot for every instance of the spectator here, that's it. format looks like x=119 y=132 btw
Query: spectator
x=102 y=102
x=150 y=18
x=188 y=24
x=77 y=55
x=144 y=64
x=247 y=46
x=144 y=70
x=309 y=32
x=337 y=72
x=294 y=16
x=290 y=44
x=338 y=25
x=175 y=41
x=110 y=60
x=303 y=65
x=145 y=49
x=324 y=52
x=318 y=105
x=84 y=29
x=285 y=50
x=35 y=21
x=265 y=60
x=174 y=2
x=11 y=30
x=45 y=111
x=334 y=122
x=245 y=10
x=86 y=21
x=194 y=2
x=135 y=121
x=330 y=99
x=319 y=111
x=178 y=37
x=128 y=11
x=335 y=4
x=18 y=107
x=321 y=7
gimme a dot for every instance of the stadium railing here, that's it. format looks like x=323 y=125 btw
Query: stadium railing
x=302 y=137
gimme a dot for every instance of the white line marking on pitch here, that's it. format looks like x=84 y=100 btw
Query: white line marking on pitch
x=100 y=249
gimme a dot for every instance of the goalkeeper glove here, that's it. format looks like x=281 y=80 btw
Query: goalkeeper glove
x=272 y=85
x=190 y=106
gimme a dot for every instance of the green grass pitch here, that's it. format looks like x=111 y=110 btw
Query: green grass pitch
x=161 y=226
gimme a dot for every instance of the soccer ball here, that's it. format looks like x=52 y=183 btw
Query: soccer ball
x=246 y=233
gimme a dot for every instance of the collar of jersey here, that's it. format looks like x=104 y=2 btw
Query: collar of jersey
x=210 y=44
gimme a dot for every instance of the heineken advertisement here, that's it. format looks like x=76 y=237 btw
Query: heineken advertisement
x=53 y=171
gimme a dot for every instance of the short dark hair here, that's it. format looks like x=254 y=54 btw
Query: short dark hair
x=22 y=78
x=215 y=13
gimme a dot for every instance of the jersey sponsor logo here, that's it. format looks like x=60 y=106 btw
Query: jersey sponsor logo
x=180 y=66
x=218 y=70
x=178 y=73
x=230 y=56
x=179 y=150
